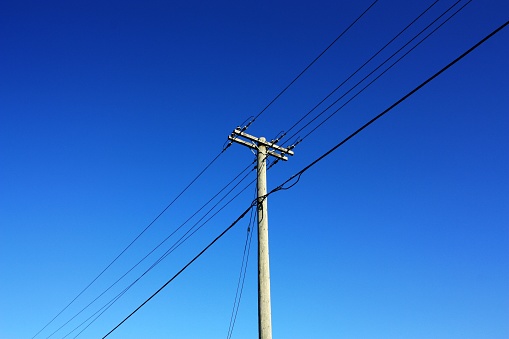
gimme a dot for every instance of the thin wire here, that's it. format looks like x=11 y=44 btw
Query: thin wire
x=183 y=269
x=104 y=308
x=381 y=74
x=367 y=76
x=242 y=275
x=175 y=245
x=424 y=83
x=156 y=247
x=357 y=71
x=194 y=229
x=131 y=243
x=311 y=64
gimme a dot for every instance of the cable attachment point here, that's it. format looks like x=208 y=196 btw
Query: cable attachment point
x=253 y=142
x=246 y=126
x=296 y=143
x=280 y=136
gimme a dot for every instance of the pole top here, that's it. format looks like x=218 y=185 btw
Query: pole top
x=272 y=149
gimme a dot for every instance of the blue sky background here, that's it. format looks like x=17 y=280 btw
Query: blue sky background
x=109 y=109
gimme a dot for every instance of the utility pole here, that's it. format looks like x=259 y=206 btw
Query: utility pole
x=263 y=149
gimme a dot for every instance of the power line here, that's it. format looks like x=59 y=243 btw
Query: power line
x=311 y=64
x=298 y=174
x=382 y=73
x=132 y=242
x=242 y=276
x=159 y=245
x=354 y=73
x=188 y=234
x=184 y=268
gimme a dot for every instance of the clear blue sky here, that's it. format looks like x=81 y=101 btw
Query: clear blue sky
x=109 y=109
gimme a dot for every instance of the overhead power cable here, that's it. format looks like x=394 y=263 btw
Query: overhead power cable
x=188 y=234
x=311 y=64
x=242 y=274
x=353 y=74
x=297 y=175
x=382 y=73
x=159 y=245
x=131 y=243
x=177 y=244
x=184 y=268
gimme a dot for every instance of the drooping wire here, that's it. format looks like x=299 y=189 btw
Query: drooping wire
x=311 y=64
x=353 y=74
x=242 y=275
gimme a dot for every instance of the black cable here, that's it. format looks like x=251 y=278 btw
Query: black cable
x=298 y=174
x=366 y=77
x=354 y=73
x=131 y=243
x=194 y=229
x=104 y=309
x=155 y=248
x=385 y=71
x=175 y=245
x=183 y=269
x=242 y=275
x=311 y=64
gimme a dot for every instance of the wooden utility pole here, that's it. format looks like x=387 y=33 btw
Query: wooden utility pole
x=264 y=149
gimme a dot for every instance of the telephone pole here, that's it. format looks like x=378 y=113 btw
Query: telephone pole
x=263 y=149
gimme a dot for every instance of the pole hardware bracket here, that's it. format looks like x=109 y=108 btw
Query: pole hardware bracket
x=272 y=149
